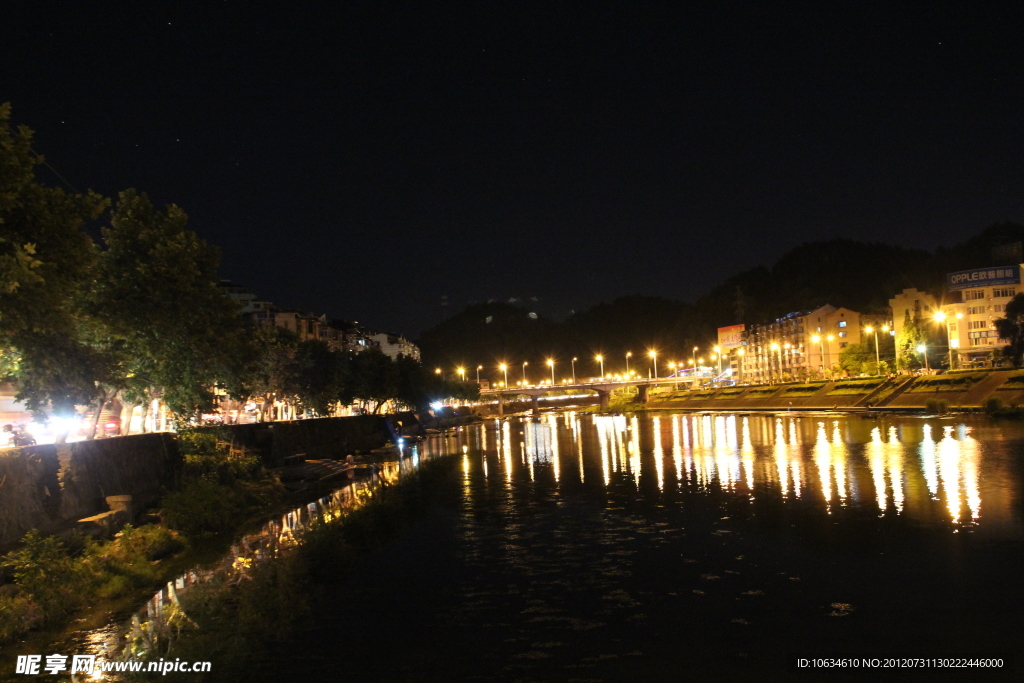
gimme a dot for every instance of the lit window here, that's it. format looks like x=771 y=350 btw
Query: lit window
x=974 y=294
x=841 y=323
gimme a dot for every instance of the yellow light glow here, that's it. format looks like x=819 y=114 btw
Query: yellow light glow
x=830 y=337
x=939 y=316
x=503 y=367
x=599 y=358
x=869 y=329
x=652 y=354
x=437 y=371
x=774 y=346
x=717 y=349
x=815 y=339
x=550 y=362
x=885 y=328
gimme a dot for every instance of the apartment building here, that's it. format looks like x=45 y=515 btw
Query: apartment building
x=799 y=345
x=977 y=299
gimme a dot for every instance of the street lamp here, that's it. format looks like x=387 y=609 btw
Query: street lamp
x=718 y=352
x=923 y=350
x=828 y=353
x=654 y=357
x=774 y=347
x=574 y=369
x=941 y=317
x=551 y=364
x=437 y=371
x=694 y=357
x=628 y=355
x=478 y=369
x=600 y=359
x=525 y=363
x=878 y=363
x=504 y=369
x=462 y=373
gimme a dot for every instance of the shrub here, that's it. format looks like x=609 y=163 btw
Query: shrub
x=18 y=614
x=203 y=507
x=936 y=406
x=46 y=573
x=993 y=405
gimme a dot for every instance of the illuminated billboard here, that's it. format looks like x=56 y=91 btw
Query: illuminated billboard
x=982 y=277
x=731 y=337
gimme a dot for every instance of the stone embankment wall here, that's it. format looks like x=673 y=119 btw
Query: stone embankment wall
x=901 y=393
x=47 y=487
x=52 y=487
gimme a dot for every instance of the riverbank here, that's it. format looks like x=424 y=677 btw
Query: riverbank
x=969 y=391
x=218 y=491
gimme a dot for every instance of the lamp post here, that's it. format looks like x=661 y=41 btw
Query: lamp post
x=478 y=369
x=828 y=353
x=629 y=354
x=600 y=359
x=941 y=317
x=551 y=364
x=574 y=369
x=870 y=330
x=923 y=350
x=694 y=357
x=504 y=369
x=525 y=363
x=774 y=347
x=789 y=349
x=437 y=371
x=718 y=353
x=654 y=357
x=462 y=373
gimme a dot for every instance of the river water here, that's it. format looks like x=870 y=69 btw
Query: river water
x=661 y=547
x=664 y=547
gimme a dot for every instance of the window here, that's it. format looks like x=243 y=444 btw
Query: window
x=952 y=327
x=977 y=342
x=1004 y=291
x=843 y=333
x=843 y=345
x=841 y=323
x=975 y=310
x=999 y=308
x=974 y=294
x=977 y=325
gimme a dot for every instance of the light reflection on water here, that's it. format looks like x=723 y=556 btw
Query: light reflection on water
x=899 y=466
x=152 y=626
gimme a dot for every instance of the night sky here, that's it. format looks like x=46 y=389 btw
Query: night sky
x=364 y=159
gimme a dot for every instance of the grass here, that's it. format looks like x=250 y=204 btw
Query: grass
x=1014 y=381
x=948 y=382
x=731 y=392
x=856 y=387
x=805 y=389
x=761 y=392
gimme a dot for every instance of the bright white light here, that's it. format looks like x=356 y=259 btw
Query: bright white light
x=436 y=405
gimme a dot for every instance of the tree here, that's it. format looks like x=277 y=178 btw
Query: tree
x=156 y=298
x=46 y=260
x=1011 y=328
x=909 y=338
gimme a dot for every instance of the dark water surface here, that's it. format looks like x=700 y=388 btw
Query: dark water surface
x=690 y=547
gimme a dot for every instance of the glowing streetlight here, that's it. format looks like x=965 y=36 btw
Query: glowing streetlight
x=718 y=353
x=878 y=362
x=693 y=357
x=600 y=359
x=923 y=350
x=525 y=363
x=774 y=346
x=478 y=369
x=437 y=371
x=654 y=357
x=574 y=369
x=629 y=354
x=504 y=369
x=551 y=364
x=462 y=373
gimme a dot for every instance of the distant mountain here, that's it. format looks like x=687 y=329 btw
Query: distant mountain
x=861 y=276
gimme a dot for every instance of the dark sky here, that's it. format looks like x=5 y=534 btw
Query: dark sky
x=364 y=159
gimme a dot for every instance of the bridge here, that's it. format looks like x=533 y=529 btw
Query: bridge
x=601 y=386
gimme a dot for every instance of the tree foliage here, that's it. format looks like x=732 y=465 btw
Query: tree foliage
x=1011 y=328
